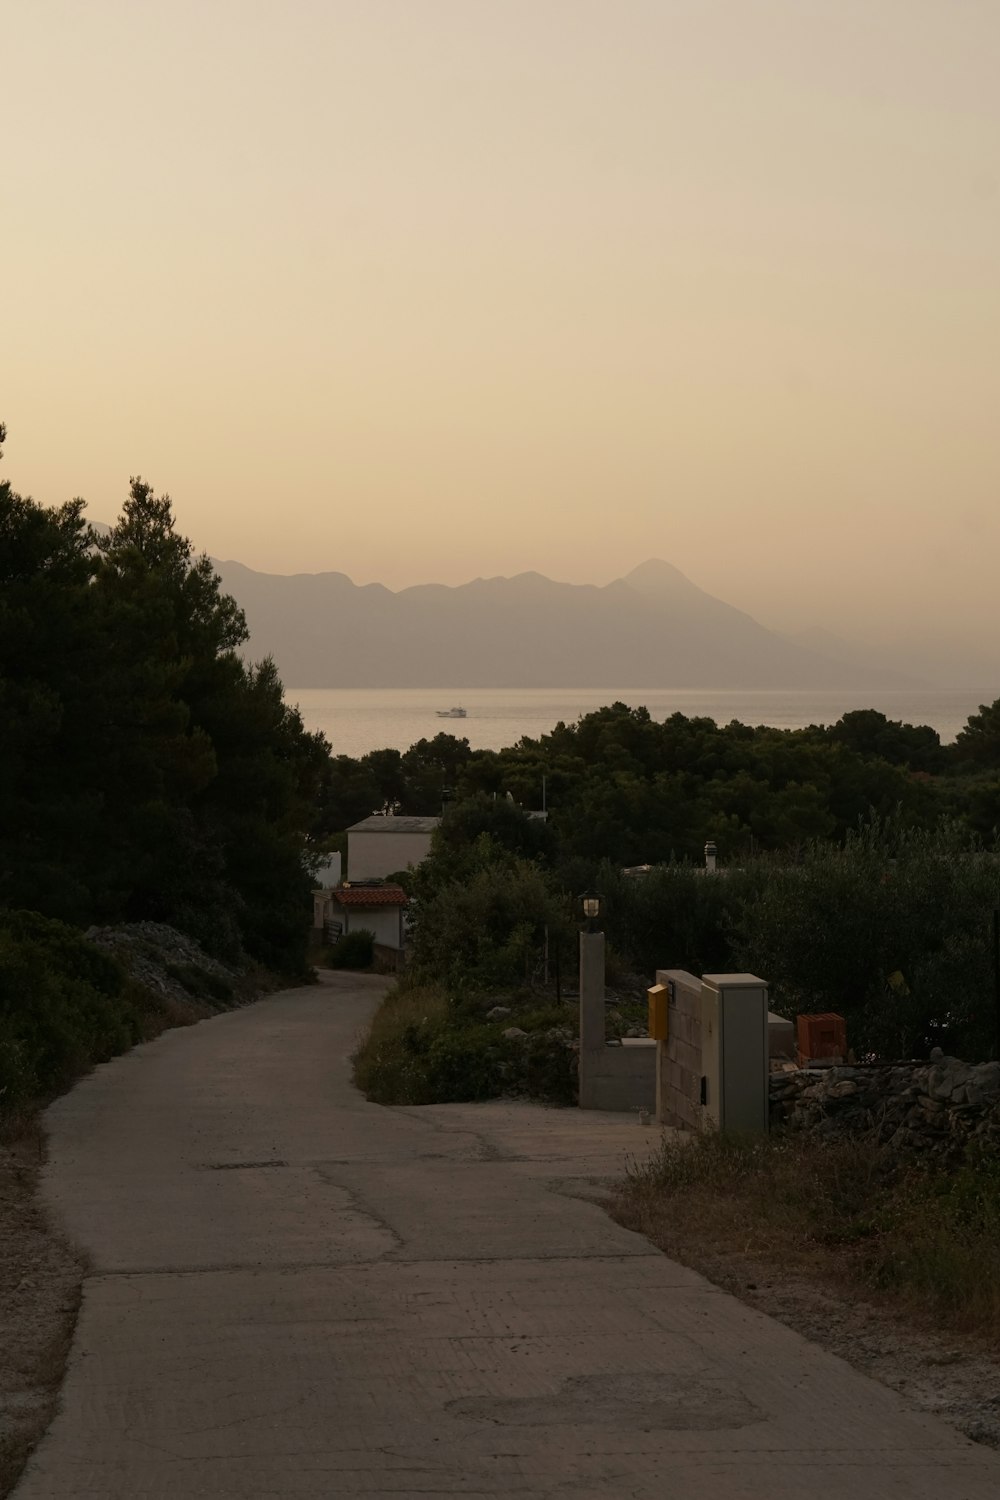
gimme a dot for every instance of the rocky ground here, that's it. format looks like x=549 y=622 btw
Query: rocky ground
x=174 y=968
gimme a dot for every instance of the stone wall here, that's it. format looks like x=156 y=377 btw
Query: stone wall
x=938 y=1106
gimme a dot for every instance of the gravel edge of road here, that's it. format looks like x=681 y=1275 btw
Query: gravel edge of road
x=41 y=1282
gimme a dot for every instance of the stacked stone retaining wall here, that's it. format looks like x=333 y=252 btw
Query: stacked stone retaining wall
x=939 y=1106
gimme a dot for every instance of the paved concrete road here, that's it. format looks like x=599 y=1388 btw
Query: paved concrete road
x=295 y=1293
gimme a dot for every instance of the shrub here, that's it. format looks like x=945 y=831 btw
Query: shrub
x=64 y=1005
x=201 y=983
x=424 y=1047
x=892 y=932
x=484 y=926
x=674 y=917
x=355 y=950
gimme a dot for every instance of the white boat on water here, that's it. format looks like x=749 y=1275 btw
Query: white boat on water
x=451 y=713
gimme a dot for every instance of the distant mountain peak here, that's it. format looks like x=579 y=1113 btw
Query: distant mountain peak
x=660 y=579
x=655 y=575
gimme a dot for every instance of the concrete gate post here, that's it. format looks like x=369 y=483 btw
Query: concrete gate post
x=592 y=1022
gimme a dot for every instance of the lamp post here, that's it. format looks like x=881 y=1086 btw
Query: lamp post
x=592 y=1029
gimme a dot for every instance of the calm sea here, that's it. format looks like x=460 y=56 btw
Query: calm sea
x=356 y=720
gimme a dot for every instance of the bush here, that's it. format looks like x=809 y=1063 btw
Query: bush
x=201 y=983
x=892 y=932
x=481 y=925
x=355 y=950
x=424 y=1047
x=674 y=917
x=64 y=1005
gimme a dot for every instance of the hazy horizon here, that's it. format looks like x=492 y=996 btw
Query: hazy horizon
x=424 y=293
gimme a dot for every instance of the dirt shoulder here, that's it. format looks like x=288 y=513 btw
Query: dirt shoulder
x=40 y=1284
x=952 y=1376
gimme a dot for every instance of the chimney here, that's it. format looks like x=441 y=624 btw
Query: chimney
x=710 y=854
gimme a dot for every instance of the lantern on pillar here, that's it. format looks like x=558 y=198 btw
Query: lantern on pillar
x=590 y=903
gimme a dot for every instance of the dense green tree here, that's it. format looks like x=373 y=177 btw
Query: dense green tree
x=480 y=922
x=976 y=800
x=347 y=793
x=431 y=771
x=386 y=770
x=502 y=821
x=873 y=735
x=50 y=651
x=145 y=769
x=978 y=744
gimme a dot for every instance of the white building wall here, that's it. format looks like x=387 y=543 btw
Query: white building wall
x=374 y=855
x=328 y=874
x=384 y=921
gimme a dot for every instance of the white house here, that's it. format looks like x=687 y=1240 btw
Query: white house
x=379 y=908
x=377 y=847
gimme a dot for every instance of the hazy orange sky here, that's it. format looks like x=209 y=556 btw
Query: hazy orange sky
x=426 y=289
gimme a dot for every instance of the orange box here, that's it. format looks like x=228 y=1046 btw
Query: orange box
x=823 y=1036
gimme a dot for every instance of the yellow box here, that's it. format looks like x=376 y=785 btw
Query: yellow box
x=659 y=997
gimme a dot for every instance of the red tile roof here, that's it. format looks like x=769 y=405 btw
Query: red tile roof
x=370 y=895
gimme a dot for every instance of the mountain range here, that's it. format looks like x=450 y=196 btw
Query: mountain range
x=652 y=628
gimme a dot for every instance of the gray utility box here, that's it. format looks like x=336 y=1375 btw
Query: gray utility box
x=734 y=1052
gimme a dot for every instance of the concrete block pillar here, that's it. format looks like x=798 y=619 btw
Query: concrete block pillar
x=592 y=1023
x=664 y=1086
x=734 y=1041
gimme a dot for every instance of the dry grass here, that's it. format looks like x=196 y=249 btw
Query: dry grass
x=403 y=1007
x=388 y=1056
x=915 y=1238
